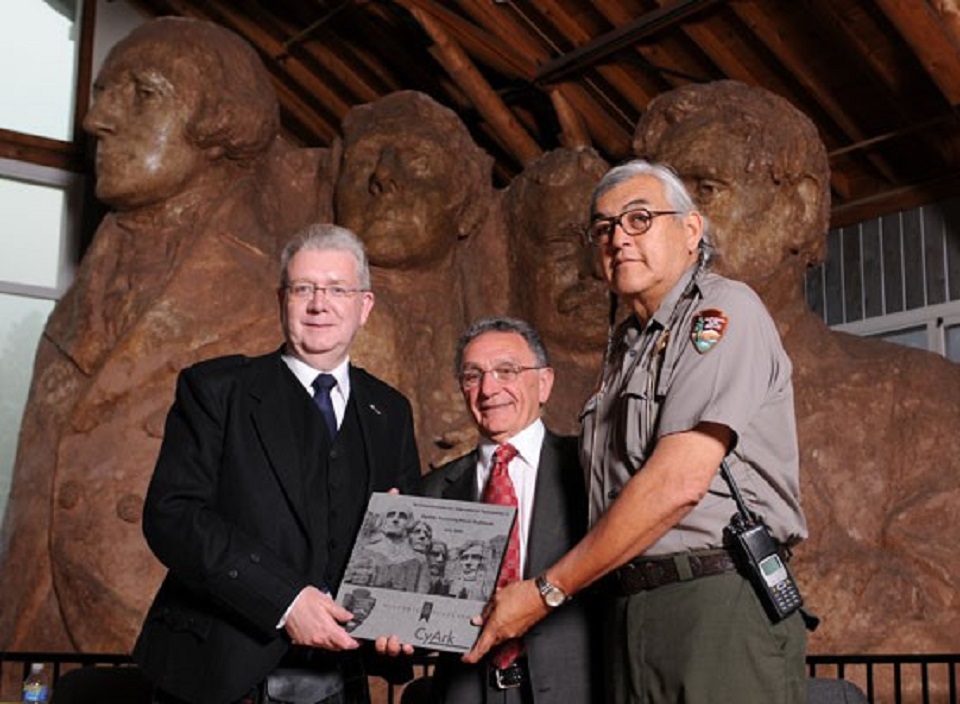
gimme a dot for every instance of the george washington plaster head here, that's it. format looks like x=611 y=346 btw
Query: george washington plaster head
x=176 y=99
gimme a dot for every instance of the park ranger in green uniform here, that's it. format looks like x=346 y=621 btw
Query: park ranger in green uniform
x=695 y=376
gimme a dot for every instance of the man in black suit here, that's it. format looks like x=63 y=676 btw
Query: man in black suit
x=505 y=377
x=259 y=490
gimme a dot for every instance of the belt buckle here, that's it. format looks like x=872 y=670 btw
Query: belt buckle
x=509 y=677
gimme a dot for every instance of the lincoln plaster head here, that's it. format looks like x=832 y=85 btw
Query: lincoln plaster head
x=755 y=166
x=470 y=558
x=176 y=99
x=412 y=181
x=557 y=286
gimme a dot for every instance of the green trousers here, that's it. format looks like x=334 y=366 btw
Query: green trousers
x=704 y=641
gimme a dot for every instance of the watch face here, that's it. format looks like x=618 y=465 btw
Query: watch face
x=554 y=597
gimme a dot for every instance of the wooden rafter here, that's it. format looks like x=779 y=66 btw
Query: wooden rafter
x=771 y=34
x=487 y=47
x=622 y=37
x=484 y=98
x=924 y=31
x=611 y=134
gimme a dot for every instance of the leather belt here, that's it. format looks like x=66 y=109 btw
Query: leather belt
x=644 y=573
x=508 y=677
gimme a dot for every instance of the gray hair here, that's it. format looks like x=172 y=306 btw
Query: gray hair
x=502 y=324
x=674 y=189
x=323 y=237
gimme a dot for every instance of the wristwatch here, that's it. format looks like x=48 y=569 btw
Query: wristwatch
x=552 y=595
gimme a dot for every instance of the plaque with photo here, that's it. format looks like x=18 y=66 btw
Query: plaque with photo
x=421 y=568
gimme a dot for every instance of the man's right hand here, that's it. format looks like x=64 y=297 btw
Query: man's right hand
x=315 y=621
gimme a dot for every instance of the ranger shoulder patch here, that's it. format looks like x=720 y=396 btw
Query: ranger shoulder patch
x=707 y=329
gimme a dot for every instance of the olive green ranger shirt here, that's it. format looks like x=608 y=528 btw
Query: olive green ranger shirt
x=710 y=353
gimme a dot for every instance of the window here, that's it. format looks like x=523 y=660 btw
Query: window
x=41 y=215
x=896 y=277
x=951 y=334
x=21 y=322
x=41 y=35
x=41 y=205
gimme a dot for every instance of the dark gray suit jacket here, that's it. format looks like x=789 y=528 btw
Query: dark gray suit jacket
x=228 y=512
x=560 y=657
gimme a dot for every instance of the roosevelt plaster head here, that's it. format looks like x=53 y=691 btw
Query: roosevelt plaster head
x=557 y=284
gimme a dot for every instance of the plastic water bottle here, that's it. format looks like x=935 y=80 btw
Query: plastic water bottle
x=36 y=690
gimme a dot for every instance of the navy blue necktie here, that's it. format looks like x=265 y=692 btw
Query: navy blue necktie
x=321 y=387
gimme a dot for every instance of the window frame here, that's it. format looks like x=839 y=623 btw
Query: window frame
x=935 y=319
x=73 y=185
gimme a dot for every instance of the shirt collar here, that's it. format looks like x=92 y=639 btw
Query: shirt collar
x=306 y=374
x=528 y=443
x=670 y=301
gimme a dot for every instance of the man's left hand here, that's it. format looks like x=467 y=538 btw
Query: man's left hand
x=510 y=613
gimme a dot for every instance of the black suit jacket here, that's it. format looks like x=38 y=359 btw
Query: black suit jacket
x=227 y=513
x=561 y=649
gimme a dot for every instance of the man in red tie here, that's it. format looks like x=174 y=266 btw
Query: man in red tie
x=505 y=377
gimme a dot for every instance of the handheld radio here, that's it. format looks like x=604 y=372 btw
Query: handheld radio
x=753 y=546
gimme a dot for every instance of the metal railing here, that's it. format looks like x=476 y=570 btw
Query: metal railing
x=885 y=679
x=894 y=679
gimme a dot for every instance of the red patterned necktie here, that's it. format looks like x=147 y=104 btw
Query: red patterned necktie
x=499 y=490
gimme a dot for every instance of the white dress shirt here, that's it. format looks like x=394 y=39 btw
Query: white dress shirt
x=523 y=474
x=339 y=394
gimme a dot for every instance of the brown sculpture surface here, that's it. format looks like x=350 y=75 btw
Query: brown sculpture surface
x=554 y=281
x=189 y=158
x=876 y=421
x=413 y=186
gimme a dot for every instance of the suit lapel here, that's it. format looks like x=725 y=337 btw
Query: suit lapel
x=461 y=479
x=281 y=428
x=371 y=418
x=544 y=526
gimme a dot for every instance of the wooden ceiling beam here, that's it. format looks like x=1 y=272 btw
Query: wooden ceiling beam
x=875 y=61
x=924 y=30
x=620 y=38
x=771 y=34
x=318 y=49
x=573 y=133
x=606 y=131
x=618 y=14
x=272 y=47
x=892 y=200
x=612 y=136
x=717 y=39
x=480 y=44
x=673 y=63
x=452 y=57
x=625 y=82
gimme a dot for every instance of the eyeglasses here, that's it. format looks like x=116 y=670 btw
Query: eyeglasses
x=306 y=290
x=472 y=377
x=634 y=222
